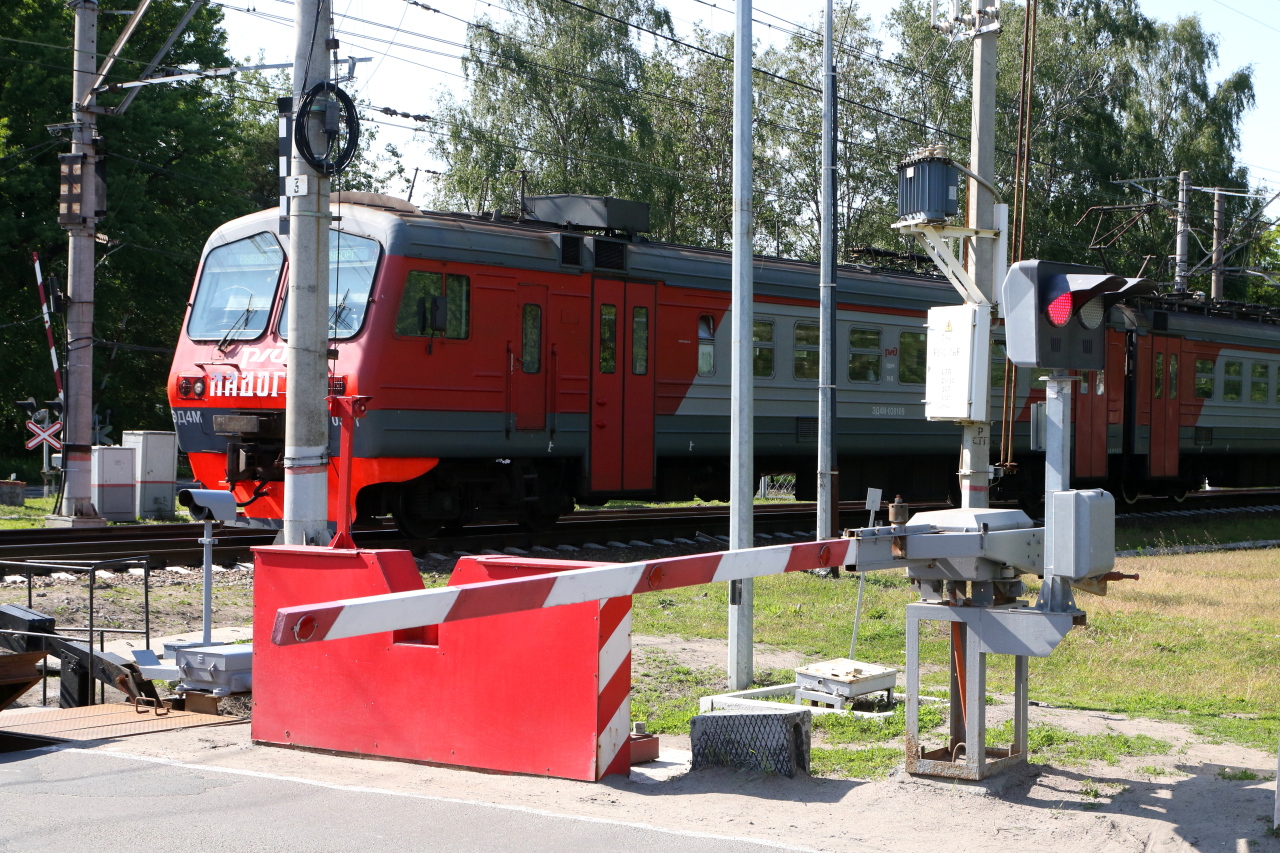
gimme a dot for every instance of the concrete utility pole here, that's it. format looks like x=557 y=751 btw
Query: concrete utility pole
x=975 y=450
x=1219 y=233
x=742 y=484
x=1184 y=232
x=306 y=437
x=77 y=503
x=828 y=465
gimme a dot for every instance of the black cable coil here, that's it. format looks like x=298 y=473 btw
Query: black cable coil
x=331 y=164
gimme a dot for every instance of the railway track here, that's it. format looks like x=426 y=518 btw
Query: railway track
x=175 y=544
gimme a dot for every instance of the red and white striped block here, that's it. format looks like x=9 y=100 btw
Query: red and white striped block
x=356 y=617
x=613 y=707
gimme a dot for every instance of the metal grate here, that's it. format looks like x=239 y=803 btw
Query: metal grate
x=611 y=255
x=771 y=742
x=807 y=430
x=570 y=251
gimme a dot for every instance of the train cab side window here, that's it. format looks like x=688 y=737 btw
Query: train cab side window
x=531 y=338
x=806 y=351
x=608 y=338
x=1159 y=375
x=706 y=345
x=912 y=351
x=420 y=288
x=1232 y=381
x=762 y=349
x=864 y=355
x=1173 y=376
x=639 y=340
x=1259 y=382
x=1204 y=379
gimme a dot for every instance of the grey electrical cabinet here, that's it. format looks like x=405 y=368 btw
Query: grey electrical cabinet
x=927 y=189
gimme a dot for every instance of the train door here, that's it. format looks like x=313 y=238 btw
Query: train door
x=622 y=386
x=1091 y=424
x=1166 y=370
x=529 y=367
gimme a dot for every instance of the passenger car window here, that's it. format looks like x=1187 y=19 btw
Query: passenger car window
x=806 y=351
x=237 y=289
x=531 y=338
x=1159 y=375
x=420 y=288
x=1232 y=380
x=1259 y=382
x=706 y=345
x=762 y=350
x=1173 y=376
x=999 y=363
x=1204 y=379
x=912 y=352
x=639 y=340
x=864 y=355
x=353 y=261
x=608 y=338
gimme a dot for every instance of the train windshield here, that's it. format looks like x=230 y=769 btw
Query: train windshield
x=352 y=263
x=236 y=291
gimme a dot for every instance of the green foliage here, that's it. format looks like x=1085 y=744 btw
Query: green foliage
x=1053 y=743
x=845 y=728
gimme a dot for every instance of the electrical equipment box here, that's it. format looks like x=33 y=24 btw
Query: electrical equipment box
x=1082 y=534
x=155 y=470
x=218 y=670
x=957 y=370
x=590 y=211
x=113 y=482
x=928 y=186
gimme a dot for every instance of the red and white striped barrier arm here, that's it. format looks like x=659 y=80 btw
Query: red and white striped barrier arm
x=354 y=617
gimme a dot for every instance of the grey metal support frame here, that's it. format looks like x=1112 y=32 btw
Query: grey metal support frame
x=968 y=719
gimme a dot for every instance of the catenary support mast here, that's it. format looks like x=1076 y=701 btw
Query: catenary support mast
x=828 y=483
x=306 y=476
x=742 y=484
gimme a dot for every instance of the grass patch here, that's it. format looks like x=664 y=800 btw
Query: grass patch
x=30 y=515
x=841 y=728
x=1243 y=775
x=1173 y=533
x=1062 y=745
x=873 y=762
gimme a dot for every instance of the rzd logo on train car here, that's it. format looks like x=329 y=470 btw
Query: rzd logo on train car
x=250 y=383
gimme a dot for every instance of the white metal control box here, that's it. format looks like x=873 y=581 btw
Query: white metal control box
x=959 y=363
x=155 y=470
x=112 y=482
x=1081 y=536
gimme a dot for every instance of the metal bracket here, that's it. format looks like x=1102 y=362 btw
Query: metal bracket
x=933 y=238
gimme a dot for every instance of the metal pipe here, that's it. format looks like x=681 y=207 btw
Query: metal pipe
x=206 y=636
x=1218 y=288
x=742 y=445
x=828 y=514
x=1184 y=232
x=306 y=472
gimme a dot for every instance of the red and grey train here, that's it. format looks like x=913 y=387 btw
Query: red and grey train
x=516 y=368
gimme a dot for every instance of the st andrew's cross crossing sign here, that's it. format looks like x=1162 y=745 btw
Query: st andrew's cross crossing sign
x=44 y=435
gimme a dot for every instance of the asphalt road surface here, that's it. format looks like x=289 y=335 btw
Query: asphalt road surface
x=66 y=801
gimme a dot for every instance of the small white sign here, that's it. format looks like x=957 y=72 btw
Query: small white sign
x=296 y=185
x=959 y=363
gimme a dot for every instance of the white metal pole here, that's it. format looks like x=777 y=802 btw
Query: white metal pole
x=1056 y=592
x=1184 y=232
x=1218 y=288
x=975 y=448
x=828 y=500
x=206 y=635
x=77 y=502
x=306 y=473
x=742 y=451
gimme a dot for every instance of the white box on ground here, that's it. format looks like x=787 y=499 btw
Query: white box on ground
x=155 y=470
x=844 y=677
x=959 y=363
x=1080 y=538
x=218 y=670
x=112 y=481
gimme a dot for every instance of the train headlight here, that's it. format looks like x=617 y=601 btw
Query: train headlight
x=199 y=388
x=184 y=387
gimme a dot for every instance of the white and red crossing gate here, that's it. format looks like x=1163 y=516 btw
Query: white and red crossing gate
x=403 y=610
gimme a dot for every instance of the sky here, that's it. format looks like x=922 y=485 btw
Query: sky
x=415 y=52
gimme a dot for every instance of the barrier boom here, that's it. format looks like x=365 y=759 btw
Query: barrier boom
x=354 y=617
